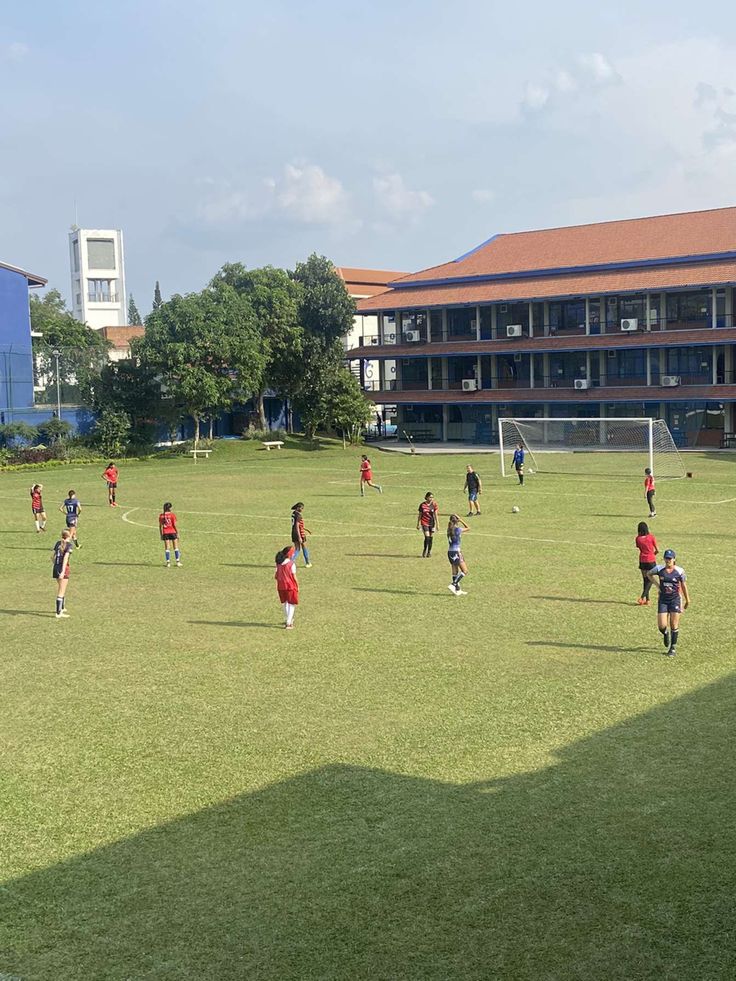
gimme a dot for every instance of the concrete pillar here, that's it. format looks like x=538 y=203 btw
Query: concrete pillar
x=713 y=302
x=445 y=421
x=649 y=355
x=729 y=306
x=587 y=315
x=531 y=320
x=494 y=320
x=587 y=365
x=714 y=364
x=478 y=375
x=444 y=323
x=531 y=371
x=546 y=321
x=494 y=371
x=429 y=327
x=603 y=368
x=647 y=314
x=545 y=364
x=429 y=374
x=477 y=328
x=662 y=311
x=728 y=365
x=445 y=379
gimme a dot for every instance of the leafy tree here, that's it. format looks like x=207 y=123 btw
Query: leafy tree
x=135 y=389
x=112 y=432
x=134 y=318
x=54 y=430
x=206 y=348
x=83 y=351
x=275 y=300
x=327 y=310
x=347 y=407
x=14 y=434
x=157 y=301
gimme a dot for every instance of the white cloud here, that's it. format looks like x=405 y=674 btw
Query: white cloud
x=591 y=70
x=598 y=68
x=395 y=198
x=535 y=97
x=14 y=51
x=483 y=195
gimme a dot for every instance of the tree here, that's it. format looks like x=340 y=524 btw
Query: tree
x=206 y=349
x=347 y=407
x=112 y=432
x=54 y=430
x=275 y=300
x=135 y=389
x=134 y=318
x=327 y=310
x=15 y=434
x=157 y=301
x=83 y=351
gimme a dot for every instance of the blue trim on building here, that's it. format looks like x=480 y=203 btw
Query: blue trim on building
x=685 y=260
x=478 y=247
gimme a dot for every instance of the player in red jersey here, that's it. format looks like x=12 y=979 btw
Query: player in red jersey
x=650 y=492
x=648 y=551
x=366 y=476
x=299 y=533
x=429 y=512
x=39 y=515
x=286 y=584
x=111 y=476
x=169 y=534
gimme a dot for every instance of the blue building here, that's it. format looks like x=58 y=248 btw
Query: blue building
x=16 y=354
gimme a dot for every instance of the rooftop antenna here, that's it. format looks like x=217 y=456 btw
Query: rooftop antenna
x=75 y=226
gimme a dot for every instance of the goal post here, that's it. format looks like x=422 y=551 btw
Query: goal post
x=596 y=445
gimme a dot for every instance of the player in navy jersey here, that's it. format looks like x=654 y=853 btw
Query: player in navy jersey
x=455 y=528
x=518 y=461
x=673 y=599
x=61 y=555
x=72 y=509
x=427 y=522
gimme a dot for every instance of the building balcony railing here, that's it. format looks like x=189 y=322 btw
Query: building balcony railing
x=102 y=297
x=635 y=327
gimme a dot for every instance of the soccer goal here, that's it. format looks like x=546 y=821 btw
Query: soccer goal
x=613 y=446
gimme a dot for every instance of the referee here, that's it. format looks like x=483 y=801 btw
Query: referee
x=474 y=487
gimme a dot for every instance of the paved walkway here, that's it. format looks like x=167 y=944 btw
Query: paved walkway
x=457 y=449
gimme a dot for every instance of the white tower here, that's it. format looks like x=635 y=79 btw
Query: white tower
x=98 y=276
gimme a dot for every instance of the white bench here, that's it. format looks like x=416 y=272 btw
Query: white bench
x=278 y=443
x=204 y=453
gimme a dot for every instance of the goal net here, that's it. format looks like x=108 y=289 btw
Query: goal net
x=613 y=446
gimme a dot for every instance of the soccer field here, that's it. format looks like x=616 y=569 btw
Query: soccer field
x=509 y=784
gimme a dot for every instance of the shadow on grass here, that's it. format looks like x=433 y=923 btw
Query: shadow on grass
x=398 y=592
x=25 y=613
x=582 y=599
x=31 y=548
x=138 y=565
x=380 y=555
x=609 y=864
x=248 y=565
x=653 y=647
x=237 y=623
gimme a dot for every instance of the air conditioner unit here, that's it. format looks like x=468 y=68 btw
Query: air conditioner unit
x=470 y=385
x=670 y=381
x=513 y=330
x=389 y=338
x=630 y=324
x=411 y=336
x=582 y=384
x=375 y=340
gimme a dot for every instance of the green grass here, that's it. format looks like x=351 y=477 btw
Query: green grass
x=511 y=784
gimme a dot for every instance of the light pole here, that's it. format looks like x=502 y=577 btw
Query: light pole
x=57 y=354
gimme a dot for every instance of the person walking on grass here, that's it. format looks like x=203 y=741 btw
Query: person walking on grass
x=518 y=461
x=474 y=488
x=299 y=533
x=111 y=476
x=72 y=509
x=366 y=476
x=169 y=534
x=650 y=492
x=60 y=571
x=647 y=545
x=429 y=512
x=39 y=515
x=673 y=599
x=455 y=528
x=286 y=584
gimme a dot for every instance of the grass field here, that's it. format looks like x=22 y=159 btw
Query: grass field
x=511 y=784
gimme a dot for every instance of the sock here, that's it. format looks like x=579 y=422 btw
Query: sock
x=424 y=549
x=673 y=638
x=647 y=587
x=76 y=543
x=286 y=612
x=429 y=545
x=177 y=554
x=305 y=550
x=43 y=525
x=59 y=604
x=521 y=478
x=167 y=553
x=38 y=525
x=663 y=630
x=63 y=602
x=290 y=612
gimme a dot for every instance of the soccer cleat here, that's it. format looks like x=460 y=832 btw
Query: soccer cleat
x=666 y=639
x=178 y=563
x=307 y=565
x=641 y=601
x=460 y=592
x=671 y=652
x=452 y=587
x=469 y=514
x=380 y=489
x=289 y=626
x=168 y=565
x=62 y=616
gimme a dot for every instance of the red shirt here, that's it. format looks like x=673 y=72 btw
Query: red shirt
x=111 y=475
x=167 y=523
x=365 y=469
x=428 y=511
x=285 y=578
x=36 y=502
x=649 y=483
x=647 y=545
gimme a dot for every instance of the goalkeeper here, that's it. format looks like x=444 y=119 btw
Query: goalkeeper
x=518 y=461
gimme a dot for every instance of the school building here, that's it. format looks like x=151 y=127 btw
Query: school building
x=619 y=318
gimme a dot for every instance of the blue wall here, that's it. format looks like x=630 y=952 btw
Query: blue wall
x=16 y=356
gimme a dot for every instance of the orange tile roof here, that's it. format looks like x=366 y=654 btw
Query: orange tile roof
x=636 y=239
x=120 y=337
x=366 y=282
x=648 y=279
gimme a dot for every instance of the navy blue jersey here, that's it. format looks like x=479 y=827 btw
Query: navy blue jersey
x=61 y=549
x=71 y=506
x=518 y=460
x=670 y=580
x=454 y=537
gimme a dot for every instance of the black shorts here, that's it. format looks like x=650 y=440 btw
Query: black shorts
x=647 y=566
x=38 y=510
x=455 y=558
x=669 y=604
x=111 y=486
x=428 y=529
x=71 y=522
x=169 y=537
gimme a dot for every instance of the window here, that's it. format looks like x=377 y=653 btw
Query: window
x=101 y=291
x=100 y=253
x=75 y=254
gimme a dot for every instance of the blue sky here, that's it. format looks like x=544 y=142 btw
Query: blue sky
x=390 y=135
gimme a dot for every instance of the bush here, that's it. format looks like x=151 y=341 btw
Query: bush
x=112 y=431
x=262 y=434
x=14 y=434
x=54 y=430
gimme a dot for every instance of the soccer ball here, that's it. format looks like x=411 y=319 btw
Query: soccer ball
x=514 y=510
x=530 y=470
